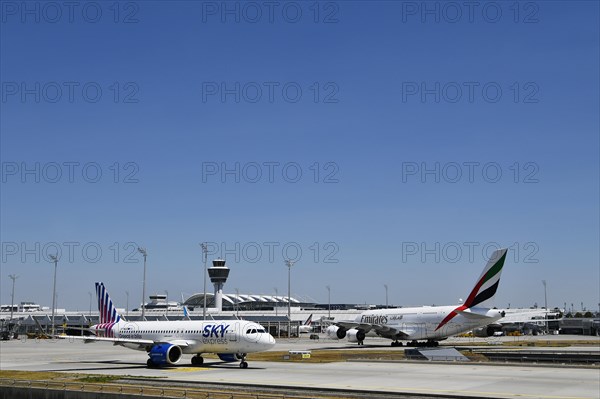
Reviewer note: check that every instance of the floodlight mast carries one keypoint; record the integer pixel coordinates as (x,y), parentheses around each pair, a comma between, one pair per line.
(386,295)
(328,302)
(54,259)
(546,304)
(205,252)
(144,254)
(289,263)
(13,277)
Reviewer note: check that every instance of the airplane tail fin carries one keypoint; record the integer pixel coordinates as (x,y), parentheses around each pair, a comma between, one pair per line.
(186,313)
(308,321)
(487,284)
(108,312)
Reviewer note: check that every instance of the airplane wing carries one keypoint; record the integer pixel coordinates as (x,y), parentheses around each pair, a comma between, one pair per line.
(471,315)
(118,341)
(380,329)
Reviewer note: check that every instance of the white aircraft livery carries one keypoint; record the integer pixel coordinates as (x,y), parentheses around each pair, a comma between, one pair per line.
(307,326)
(431,323)
(167,341)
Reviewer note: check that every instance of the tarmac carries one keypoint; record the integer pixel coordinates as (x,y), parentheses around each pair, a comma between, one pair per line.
(459,379)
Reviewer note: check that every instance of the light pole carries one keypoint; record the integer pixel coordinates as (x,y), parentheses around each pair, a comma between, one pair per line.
(545,304)
(90,312)
(237,302)
(289,265)
(127,304)
(328,302)
(167,308)
(54,259)
(144,254)
(205,252)
(276,301)
(13,277)
(386,295)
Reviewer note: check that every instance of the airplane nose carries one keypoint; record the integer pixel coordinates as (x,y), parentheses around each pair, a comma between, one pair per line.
(269,341)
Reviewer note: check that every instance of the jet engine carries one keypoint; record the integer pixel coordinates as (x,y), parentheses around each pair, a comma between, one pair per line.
(161,354)
(228,357)
(487,331)
(336,332)
(355,335)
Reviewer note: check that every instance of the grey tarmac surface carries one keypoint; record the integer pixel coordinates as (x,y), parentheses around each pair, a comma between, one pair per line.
(471,379)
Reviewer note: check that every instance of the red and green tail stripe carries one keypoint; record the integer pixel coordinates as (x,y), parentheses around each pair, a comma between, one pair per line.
(491,272)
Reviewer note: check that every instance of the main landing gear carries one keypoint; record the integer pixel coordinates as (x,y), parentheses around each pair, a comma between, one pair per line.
(197,360)
(428,344)
(243,363)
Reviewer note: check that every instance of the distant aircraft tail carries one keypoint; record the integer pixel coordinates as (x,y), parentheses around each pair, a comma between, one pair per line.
(487,283)
(308,321)
(108,312)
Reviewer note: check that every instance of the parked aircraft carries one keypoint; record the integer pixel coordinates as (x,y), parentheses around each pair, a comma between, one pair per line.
(307,326)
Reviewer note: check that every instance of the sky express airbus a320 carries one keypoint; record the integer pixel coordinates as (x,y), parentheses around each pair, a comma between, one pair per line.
(167,341)
(431,323)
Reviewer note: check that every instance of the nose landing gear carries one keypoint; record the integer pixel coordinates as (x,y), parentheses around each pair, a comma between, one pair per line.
(243,363)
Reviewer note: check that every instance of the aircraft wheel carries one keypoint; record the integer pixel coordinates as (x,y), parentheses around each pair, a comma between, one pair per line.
(243,365)
(197,360)
(150,364)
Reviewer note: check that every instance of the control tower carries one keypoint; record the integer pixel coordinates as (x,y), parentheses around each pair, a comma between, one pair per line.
(218,274)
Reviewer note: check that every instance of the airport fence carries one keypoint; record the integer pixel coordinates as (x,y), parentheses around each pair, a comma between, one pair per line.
(47,389)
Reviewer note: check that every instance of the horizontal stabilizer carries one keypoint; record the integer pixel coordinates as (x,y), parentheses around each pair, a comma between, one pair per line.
(471,315)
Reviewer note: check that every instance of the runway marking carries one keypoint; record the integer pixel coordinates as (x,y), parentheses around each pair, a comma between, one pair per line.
(188,369)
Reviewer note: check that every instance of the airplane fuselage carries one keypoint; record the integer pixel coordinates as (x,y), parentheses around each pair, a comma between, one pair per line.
(207,336)
(429,322)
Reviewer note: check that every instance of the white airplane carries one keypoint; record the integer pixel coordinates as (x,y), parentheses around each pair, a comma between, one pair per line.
(167,341)
(431,323)
(307,326)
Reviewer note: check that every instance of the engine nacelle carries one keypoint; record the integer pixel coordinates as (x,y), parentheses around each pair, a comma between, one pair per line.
(355,335)
(165,354)
(336,332)
(487,331)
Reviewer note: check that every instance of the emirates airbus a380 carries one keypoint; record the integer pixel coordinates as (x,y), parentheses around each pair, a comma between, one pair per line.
(167,341)
(430,323)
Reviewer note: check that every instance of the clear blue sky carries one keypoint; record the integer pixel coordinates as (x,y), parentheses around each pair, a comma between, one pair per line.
(379,103)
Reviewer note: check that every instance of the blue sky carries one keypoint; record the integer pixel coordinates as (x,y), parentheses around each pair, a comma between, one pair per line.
(499,103)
